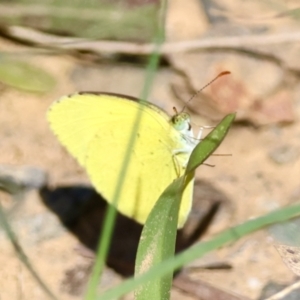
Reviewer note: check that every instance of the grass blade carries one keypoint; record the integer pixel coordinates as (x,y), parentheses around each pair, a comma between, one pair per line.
(198,250)
(111,213)
(21,254)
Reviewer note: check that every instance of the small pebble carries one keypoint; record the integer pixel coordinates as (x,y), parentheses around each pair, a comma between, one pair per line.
(17,179)
(284,154)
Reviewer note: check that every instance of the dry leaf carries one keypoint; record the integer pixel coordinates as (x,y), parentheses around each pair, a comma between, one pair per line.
(291,257)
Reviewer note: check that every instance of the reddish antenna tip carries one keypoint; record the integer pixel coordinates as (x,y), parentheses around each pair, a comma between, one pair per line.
(223,73)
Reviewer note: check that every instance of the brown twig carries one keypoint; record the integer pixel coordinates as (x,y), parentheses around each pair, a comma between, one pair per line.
(202,290)
(285,291)
(240,42)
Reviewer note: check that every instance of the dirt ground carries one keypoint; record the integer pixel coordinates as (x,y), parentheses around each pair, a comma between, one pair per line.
(261,175)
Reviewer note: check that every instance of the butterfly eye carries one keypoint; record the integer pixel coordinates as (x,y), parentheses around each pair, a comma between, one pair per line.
(181,121)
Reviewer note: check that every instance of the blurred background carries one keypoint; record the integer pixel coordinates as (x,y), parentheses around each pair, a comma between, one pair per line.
(52,48)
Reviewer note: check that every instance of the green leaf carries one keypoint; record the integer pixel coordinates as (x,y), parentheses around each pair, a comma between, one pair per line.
(24,76)
(210,143)
(157,242)
(111,20)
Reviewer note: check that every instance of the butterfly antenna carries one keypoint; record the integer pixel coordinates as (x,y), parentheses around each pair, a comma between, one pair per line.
(209,83)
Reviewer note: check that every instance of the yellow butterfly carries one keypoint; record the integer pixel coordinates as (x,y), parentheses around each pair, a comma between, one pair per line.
(95,129)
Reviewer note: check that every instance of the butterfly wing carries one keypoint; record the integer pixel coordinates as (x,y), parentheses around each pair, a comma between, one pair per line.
(96,130)
(75,120)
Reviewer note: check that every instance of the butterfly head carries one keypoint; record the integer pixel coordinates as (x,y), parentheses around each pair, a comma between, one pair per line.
(182,122)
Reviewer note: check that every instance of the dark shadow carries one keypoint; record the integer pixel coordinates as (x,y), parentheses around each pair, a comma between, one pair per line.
(81,210)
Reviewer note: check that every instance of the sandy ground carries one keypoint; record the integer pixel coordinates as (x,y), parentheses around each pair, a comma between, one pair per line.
(248,184)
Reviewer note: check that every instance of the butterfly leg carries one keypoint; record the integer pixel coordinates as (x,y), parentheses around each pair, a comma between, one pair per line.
(176,164)
(191,144)
(182,160)
(202,129)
